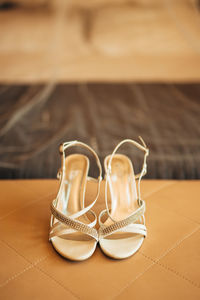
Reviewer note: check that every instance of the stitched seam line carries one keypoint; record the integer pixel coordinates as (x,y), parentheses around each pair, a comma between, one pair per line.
(58,282)
(172,270)
(29,267)
(11,247)
(22,272)
(156,261)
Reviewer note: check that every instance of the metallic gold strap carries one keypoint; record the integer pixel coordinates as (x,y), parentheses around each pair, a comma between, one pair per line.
(74,224)
(107,230)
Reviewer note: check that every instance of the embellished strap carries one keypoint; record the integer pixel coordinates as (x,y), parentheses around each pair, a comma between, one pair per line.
(74,224)
(125,224)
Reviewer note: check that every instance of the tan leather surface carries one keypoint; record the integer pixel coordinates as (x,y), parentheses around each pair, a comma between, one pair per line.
(167,266)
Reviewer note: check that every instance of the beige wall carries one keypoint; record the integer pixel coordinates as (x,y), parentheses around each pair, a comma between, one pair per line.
(100,40)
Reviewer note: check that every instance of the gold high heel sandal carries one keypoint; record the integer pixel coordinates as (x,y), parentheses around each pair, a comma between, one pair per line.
(72,234)
(123,232)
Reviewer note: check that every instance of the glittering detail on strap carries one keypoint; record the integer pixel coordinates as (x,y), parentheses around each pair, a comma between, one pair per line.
(108,230)
(74,224)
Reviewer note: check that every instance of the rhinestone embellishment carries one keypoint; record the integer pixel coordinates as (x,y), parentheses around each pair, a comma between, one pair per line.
(104,231)
(73,223)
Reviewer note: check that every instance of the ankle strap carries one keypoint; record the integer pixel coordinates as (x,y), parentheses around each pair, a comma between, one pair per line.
(69,144)
(137,176)
(62,149)
(139,146)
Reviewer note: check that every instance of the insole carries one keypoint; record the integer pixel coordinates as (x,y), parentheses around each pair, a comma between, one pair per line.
(122,187)
(72,196)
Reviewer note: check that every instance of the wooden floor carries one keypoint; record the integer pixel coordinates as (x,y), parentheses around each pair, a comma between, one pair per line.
(100,41)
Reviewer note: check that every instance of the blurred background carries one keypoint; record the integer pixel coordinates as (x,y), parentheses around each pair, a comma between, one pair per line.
(99,71)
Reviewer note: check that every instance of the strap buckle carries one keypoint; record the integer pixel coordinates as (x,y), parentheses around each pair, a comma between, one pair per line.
(59,173)
(144,168)
(109,169)
(100,178)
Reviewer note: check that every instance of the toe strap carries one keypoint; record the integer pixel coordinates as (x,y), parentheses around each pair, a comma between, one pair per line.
(125,225)
(72,224)
(135,228)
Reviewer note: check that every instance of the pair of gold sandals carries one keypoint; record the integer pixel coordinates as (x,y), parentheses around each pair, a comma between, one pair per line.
(121,227)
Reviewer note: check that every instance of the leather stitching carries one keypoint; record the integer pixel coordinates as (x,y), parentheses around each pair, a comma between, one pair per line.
(171,270)
(58,282)
(32,265)
(22,272)
(157,260)
(16,251)
(139,275)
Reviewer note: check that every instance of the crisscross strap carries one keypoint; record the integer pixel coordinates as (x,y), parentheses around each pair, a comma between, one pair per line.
(125,225)
(138,176)
(69,221)
(60,229)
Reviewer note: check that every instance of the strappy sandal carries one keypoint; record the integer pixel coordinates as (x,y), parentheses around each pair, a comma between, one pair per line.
(72,233)
(123,231)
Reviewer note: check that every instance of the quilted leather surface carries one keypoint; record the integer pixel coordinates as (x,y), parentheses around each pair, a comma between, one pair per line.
(167,265)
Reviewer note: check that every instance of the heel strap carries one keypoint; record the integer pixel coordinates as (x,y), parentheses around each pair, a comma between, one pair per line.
(69,144)
(139,146)
(137,176)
